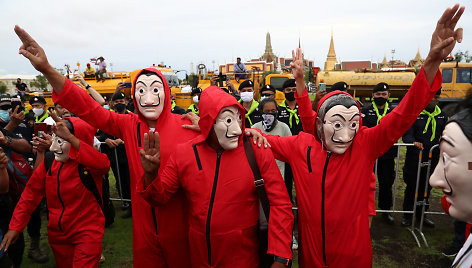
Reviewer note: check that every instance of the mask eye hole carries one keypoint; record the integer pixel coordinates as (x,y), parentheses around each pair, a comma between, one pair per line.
(141,91)
(240,117)
(155,90)
(228,120)
(446,159)
(338,125)
(353,125)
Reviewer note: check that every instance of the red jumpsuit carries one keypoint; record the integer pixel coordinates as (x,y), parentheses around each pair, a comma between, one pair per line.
(160,235)
(308,118)
(333,191)
(76,222)
(224,206)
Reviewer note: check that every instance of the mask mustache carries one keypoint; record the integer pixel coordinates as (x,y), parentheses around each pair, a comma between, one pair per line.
(150,105)
(340,142)
(229,137)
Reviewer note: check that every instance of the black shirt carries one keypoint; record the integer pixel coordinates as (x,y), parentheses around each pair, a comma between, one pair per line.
(21,86)
(284,116)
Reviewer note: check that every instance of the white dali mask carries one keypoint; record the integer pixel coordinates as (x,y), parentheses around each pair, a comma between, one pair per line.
(60,148)
(453,174)
(150,96)
(339,128)
(228,126)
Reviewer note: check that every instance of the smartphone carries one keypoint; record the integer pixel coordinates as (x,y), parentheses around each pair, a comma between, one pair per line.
(38,127)
(221,79)
(15,104)
(127,84)
(322,86)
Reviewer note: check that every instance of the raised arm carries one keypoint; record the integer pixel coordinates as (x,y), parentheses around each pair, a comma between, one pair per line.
(307,115)
(66,93)
(425,85)
(94,93)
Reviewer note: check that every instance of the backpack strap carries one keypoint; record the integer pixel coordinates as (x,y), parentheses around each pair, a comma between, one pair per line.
(48,160)
(258,181)
(89,183)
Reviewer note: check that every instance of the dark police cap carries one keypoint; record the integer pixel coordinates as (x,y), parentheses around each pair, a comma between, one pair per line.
(247,83)
(381,87)
(342,86)
(37,99)
(196,91)
(268,87)
(5,98)
(289,83)
(118,96)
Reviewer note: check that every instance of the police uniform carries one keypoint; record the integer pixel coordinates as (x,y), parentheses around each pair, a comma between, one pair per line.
(39,118)
(254,114)
(385,163)
(427,130)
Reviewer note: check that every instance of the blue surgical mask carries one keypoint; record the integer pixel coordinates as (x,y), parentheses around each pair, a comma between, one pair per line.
(5,116)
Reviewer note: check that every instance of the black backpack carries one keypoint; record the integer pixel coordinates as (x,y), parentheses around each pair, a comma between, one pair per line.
(86,177)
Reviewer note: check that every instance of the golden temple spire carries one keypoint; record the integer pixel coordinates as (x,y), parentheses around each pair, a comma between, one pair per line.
(331,58)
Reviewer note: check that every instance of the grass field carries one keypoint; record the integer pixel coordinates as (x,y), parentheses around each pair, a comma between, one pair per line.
(393,246)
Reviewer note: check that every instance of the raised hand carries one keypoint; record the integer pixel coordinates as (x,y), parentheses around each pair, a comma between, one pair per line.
(17,116)
(80,78)
(31,50)
(194,119)
(151,154)
(445,35)
(297,64)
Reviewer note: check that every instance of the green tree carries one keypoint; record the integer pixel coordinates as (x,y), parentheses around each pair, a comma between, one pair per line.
(460,56)
(3,87)
(40,82)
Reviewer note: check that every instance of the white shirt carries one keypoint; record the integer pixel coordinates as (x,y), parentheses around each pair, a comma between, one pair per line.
(102,65)
(466,261)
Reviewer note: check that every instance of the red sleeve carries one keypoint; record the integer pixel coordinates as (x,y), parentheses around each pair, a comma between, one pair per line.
(282,147)
(307,115)
(372,196)
(163,186)
(281,216)
(90,158)
(395,124)
(30,199)
(77,101)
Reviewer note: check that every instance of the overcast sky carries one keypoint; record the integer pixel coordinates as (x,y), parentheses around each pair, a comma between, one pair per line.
(136,34)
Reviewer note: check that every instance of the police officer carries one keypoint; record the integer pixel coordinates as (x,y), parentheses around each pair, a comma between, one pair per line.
(289,108)
(253,114)
(424,134)
(118,104)
(39,108)
(371,116)
(176,109)
(196,99)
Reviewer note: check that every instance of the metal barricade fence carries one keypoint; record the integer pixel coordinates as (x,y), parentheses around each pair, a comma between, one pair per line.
(117,179)
(416,203)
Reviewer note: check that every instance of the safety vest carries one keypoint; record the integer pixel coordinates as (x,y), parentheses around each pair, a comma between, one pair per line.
(192,108)
(46,115)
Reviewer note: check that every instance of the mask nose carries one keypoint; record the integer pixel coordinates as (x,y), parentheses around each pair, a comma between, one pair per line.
(438,178)
(235,130)
(344,135)
(54,146)
(148,99)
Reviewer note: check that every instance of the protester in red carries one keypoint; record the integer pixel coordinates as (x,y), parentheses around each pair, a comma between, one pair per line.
(76,222)
(160,235)
(215,175)
(332,170)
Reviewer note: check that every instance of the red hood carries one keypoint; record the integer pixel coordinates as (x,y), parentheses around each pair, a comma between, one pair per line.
(167,103)
(212,100)
(336,92)
(82,130)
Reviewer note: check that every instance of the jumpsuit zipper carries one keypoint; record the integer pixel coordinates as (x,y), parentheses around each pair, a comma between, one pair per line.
(323,231)
(59,197)
(210,208)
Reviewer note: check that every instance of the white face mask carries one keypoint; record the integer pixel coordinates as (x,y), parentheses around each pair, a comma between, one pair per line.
(195,99)
(150,96)
(38,111)
(453,174)
(228,127)
(60,148)
(340,126)
(247,96)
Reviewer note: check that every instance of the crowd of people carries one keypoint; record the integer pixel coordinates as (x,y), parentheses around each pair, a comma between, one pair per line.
(212,186)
